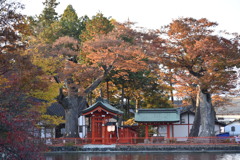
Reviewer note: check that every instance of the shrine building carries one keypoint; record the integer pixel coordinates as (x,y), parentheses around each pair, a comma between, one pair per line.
(102,121)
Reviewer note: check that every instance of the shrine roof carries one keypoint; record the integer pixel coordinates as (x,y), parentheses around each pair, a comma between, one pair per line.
(157,115)
(56,109)
(105,105)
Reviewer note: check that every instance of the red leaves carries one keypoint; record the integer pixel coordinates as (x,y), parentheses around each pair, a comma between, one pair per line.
(16,136)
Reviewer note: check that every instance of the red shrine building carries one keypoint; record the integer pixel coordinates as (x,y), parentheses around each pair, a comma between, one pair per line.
(102,125)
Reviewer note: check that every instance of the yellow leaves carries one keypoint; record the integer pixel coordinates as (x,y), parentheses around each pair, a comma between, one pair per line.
(129,122)
(48,94)
(49,65)
(52,120)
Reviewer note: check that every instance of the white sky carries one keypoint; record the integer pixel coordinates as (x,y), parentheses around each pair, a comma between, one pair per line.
(151,14)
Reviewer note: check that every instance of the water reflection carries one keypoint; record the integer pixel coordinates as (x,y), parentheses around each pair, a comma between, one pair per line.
(143,156)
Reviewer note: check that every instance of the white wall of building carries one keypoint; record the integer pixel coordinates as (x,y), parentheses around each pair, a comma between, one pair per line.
(183,128)
(82,128)
(229,129)
(47,132)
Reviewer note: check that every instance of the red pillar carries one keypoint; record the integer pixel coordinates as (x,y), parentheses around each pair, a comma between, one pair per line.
(168,131)
(146,132)
(93,129)
(103,131)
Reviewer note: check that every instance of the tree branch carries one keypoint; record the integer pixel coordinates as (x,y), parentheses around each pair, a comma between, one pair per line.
(96,83)
(62,99)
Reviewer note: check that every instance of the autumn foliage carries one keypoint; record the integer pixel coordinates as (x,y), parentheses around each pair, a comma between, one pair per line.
(18,78)
(67,59)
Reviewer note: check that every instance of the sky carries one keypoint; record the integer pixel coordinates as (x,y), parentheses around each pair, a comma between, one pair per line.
(151,14)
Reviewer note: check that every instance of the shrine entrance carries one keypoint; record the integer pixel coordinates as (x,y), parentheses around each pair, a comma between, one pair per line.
(103,119)
(98,128)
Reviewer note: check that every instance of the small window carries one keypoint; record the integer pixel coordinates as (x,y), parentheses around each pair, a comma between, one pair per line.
(220,118)
(80,128)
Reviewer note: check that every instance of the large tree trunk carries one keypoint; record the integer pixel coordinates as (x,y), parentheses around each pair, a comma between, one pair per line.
(197,119)
(196,123)
(74,104)
(207,115)
(72,111)
(71,118)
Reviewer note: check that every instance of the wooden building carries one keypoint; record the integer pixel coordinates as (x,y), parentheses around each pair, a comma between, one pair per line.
(157,117)
(104,127)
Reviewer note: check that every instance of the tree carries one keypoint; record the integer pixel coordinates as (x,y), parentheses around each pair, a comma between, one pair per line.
(81,76)
(202,59)
(145,89)
(18,76)
(98,25)
(49,15)
(70,24)
(50,50)
(46,24)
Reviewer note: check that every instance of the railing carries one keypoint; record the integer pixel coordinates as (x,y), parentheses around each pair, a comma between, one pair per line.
(142,141)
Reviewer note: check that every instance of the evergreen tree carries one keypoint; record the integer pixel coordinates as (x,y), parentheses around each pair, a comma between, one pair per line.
(96,26)
(49,15)
(70,24)
(46,26)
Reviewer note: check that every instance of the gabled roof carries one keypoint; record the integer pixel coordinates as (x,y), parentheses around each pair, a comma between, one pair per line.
(157,115)
(236,121)
(105,105)
(56,109)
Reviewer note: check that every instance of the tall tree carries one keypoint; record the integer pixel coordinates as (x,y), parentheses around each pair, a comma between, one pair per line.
(96,26)
(206,59)
(70,23)
(18,76)
(102,54)
(46,24)
(49,15)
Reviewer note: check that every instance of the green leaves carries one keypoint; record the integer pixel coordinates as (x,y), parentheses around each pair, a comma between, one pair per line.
(70,23)
(96,26)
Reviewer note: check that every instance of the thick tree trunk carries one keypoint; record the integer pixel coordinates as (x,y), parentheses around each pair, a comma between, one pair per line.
(197,119)
(207,115)
(72,112)
(196,123)
(74,104)
(71,121)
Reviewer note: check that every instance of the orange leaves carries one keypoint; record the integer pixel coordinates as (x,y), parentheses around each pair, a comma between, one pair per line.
(219,101)
(178,29)
(192,48)
(66,41)
(66,46)
(110,50)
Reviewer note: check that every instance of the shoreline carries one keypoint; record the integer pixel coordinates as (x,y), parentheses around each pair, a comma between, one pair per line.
(144,148)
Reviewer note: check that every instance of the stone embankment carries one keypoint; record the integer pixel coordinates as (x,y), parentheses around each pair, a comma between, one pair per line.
(147,148)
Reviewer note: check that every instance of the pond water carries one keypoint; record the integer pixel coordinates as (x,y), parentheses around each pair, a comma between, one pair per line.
(142,156)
